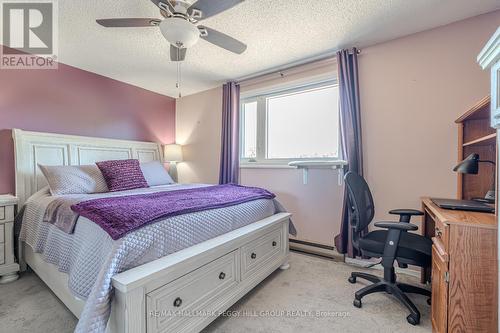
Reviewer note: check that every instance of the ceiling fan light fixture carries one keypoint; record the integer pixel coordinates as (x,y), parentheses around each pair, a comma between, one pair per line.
(178,31)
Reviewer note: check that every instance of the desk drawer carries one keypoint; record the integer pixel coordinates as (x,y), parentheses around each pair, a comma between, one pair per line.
(2,233)
(441,230)
(442,233)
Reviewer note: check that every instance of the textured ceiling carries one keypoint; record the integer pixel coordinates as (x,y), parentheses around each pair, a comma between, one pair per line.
(277,32)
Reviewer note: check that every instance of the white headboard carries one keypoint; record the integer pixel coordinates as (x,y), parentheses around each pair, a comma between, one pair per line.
(33,148)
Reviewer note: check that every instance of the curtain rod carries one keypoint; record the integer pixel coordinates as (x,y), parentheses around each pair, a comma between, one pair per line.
(279,69)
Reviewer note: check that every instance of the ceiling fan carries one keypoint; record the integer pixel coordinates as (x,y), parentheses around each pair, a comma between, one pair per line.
(179,24)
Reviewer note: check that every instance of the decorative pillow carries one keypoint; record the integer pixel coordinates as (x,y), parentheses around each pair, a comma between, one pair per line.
(155,173)
(74,179)
(122,175)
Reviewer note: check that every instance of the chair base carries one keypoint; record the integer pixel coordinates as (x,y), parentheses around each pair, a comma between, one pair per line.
(392,287)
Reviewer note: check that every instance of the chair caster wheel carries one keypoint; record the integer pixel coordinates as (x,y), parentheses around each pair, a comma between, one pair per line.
(352,279)
(429,301)
(357,303)
(413,320)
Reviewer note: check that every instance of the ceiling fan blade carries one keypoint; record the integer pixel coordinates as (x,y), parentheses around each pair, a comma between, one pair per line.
(128,22)
(163,5)
(177,54)
(210,7)
(222,40)
(157,2)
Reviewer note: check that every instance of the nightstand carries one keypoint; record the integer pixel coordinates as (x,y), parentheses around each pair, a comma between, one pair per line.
(8,265)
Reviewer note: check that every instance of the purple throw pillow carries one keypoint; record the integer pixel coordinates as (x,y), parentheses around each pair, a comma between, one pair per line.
(122,174)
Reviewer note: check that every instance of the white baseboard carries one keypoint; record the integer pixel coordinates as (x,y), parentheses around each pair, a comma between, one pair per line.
(330,253)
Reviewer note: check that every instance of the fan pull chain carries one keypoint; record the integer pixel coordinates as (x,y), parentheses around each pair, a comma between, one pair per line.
(178,83)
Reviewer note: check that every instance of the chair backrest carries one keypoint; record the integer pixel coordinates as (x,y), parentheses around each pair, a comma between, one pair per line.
(360,202)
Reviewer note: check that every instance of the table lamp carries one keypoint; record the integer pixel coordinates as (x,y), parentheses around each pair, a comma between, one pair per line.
(173,155)
(470,165)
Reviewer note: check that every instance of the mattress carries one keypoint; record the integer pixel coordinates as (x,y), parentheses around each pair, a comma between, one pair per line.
(91,257)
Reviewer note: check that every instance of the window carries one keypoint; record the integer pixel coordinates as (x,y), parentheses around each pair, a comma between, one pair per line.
(250,120)
(294,124)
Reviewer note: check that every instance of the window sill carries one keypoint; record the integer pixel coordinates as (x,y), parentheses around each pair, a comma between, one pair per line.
(265,166)
(315,164)
(312,164)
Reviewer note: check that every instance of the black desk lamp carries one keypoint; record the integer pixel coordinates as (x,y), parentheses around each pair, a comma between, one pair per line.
(471,166)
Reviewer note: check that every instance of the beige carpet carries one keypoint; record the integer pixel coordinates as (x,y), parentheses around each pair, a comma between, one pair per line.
(287,301)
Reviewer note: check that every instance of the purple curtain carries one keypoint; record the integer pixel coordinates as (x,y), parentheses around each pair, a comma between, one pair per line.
(350,136)
(230,157)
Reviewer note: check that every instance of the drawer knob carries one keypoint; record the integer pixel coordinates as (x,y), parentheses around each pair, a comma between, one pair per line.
(253,256)
(439,233)
(178,302)
(274,243)
(222,276)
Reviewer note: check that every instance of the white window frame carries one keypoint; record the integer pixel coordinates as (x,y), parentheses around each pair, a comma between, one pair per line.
(262,111)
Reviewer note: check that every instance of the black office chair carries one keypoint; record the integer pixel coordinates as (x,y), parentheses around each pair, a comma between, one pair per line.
(390,245)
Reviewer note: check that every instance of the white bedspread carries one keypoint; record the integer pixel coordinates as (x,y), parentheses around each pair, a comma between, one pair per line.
(91,258)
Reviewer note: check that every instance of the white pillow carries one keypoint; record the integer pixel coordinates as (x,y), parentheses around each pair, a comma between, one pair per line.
(69,179)
(155,173)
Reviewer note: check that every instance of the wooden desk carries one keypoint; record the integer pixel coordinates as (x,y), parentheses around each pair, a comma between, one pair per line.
(464,269)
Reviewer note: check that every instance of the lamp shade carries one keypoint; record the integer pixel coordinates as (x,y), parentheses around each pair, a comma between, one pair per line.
(470,165)
(173,153)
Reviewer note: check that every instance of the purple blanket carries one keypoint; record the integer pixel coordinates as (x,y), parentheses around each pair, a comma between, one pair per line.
(120,215)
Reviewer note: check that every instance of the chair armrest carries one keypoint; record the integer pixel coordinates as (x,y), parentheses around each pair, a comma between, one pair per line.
(409,212)
(396,225)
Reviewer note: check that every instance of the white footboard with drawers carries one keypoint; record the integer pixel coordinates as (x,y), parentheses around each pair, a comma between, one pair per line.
(185,291)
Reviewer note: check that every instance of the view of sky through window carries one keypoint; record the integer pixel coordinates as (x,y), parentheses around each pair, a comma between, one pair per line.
(302,124)
(250,130)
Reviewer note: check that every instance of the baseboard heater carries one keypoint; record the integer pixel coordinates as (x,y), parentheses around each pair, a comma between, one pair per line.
(315,248)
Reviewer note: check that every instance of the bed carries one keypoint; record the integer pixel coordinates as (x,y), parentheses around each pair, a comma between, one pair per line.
(178,289)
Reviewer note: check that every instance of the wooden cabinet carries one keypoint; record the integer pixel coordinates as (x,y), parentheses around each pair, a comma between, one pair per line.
(464,269)
(476,136)
(439,313)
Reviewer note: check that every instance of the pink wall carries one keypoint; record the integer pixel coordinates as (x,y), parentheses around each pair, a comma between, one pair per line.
(315,207)
(72,101)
